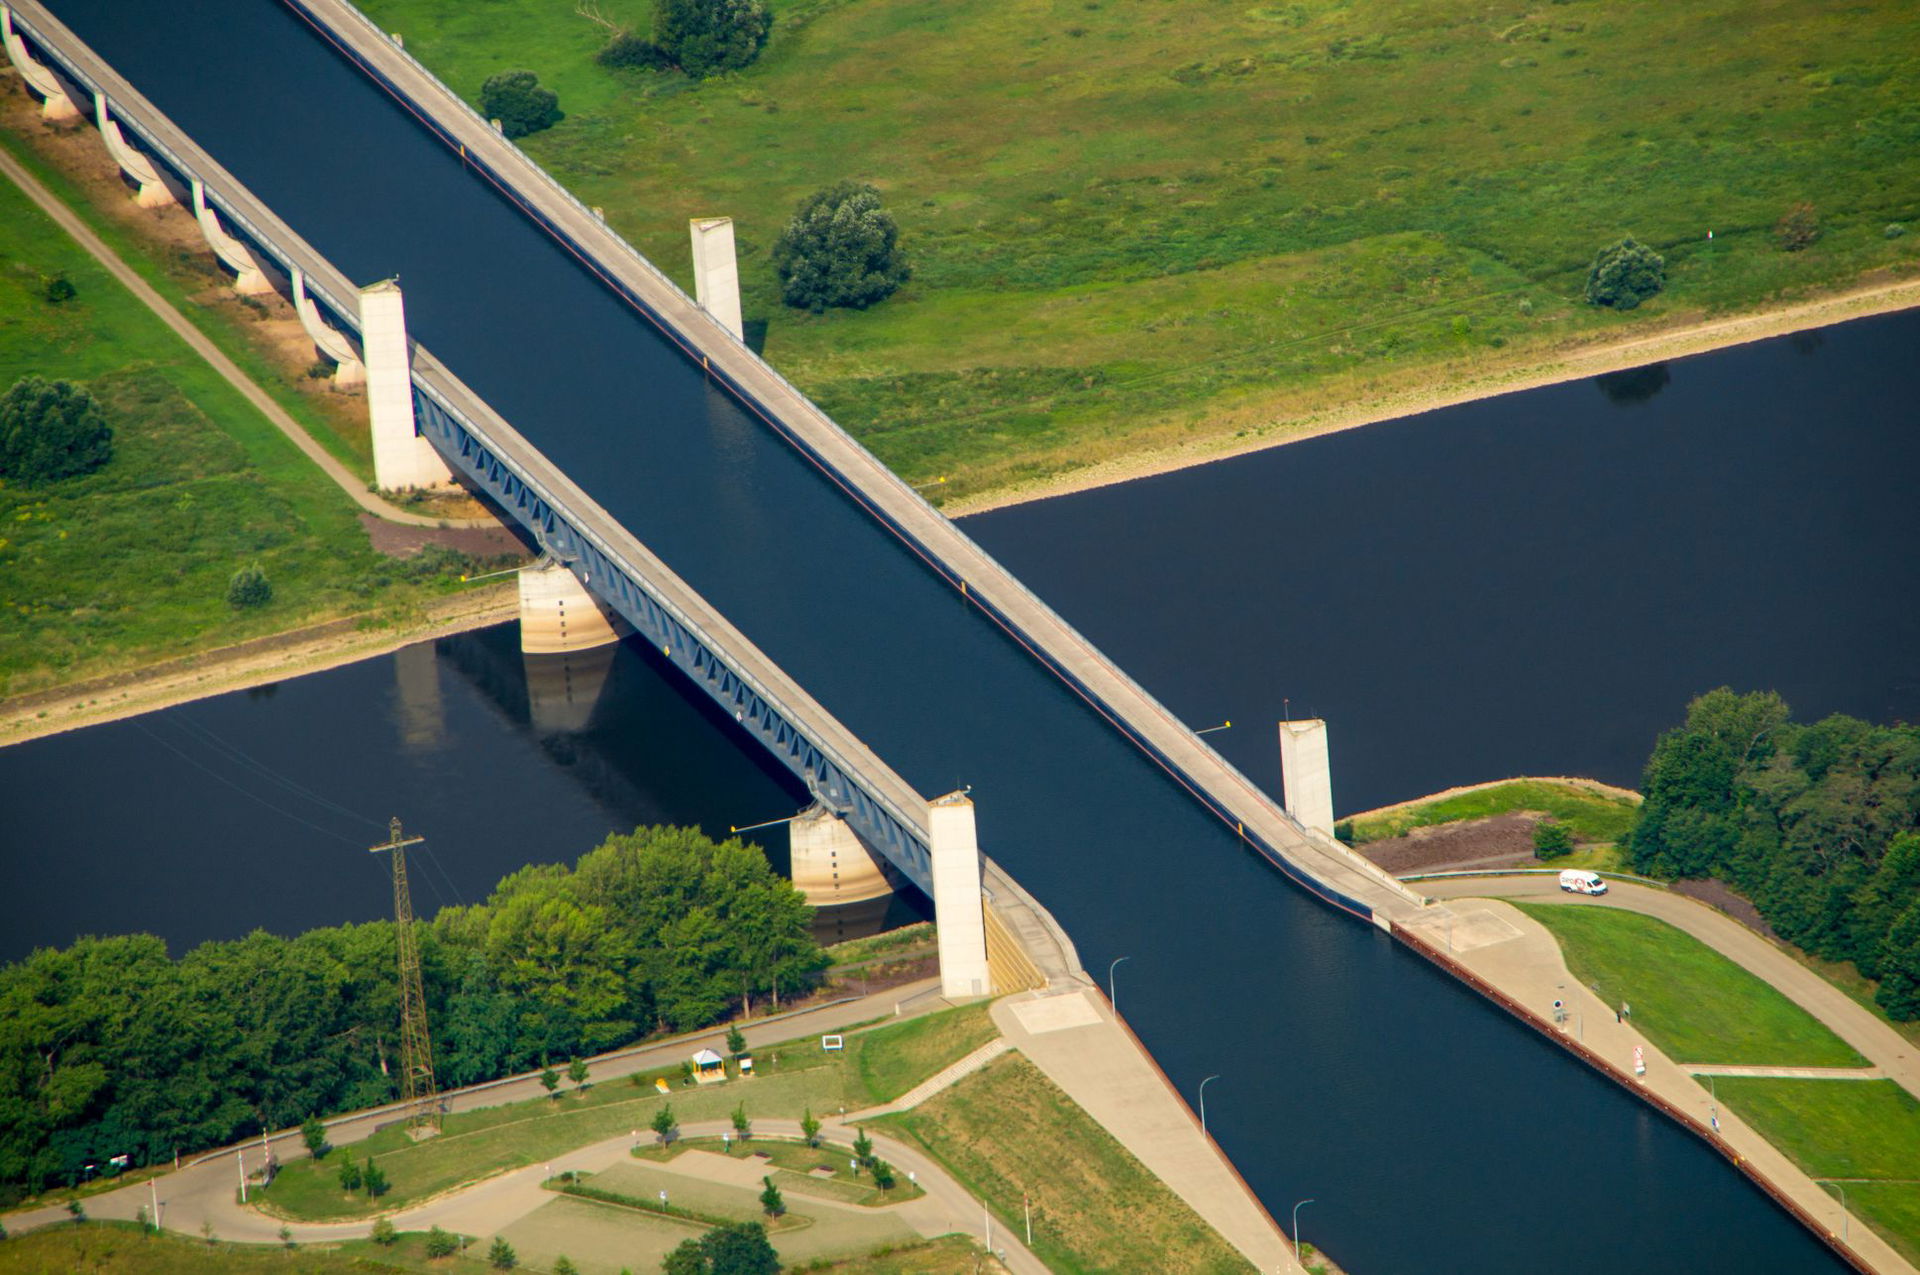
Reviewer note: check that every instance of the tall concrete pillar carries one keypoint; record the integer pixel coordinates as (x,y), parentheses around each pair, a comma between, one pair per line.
(957,905)
(154,190)
(558,614)
(250,273)
(1306,773)
(327,339)
(401,458)
(55,105)
(832,865)
(716,271)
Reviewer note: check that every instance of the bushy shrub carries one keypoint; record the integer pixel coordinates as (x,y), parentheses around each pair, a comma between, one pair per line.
(51,430)
(58,288)
(706,37)
(441,1243)
(248,588)
(517,100)
(1798,229)
(1552,839)
(1894,229)
(626,50)
(1625,274)
(840,249)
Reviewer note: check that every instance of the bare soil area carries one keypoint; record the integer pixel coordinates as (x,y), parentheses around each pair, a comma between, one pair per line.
(1716,893)
(1499,841)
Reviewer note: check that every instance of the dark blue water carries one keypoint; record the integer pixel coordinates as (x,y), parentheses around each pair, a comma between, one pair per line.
(1422,1120)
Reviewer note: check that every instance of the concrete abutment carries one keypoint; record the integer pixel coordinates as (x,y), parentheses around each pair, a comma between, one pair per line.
(56,103)
(958,905)
(401,458)
(716,271)
(1307,775)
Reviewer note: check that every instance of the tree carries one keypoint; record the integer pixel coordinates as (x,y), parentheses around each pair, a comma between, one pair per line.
(810,1127)
(76,1210)
(286,1236)
(736,1042)
(441,1243)
(706,37)
(383,1233)
(772,1203)
(664,1125)
(376,1181)
(863,1148)
(517,100)
(841,248)
(248,588)
(740,1248)
(1899,992)
(500,1254)
(1552,839)
(1799,228)
(51,430)
(349,1173)
(549,1080)
(882,1174)
(1625,274)
(577,1072)
(625,49)
(742,1127)
(314,1134)
(563,1265)
(58,288)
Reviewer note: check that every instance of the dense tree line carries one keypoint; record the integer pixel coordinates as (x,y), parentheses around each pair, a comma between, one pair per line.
(111,1047)
(1819,825)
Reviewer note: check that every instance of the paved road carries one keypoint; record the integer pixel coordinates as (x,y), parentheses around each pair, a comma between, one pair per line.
(83,235)
(203,1189)
(1896,1056)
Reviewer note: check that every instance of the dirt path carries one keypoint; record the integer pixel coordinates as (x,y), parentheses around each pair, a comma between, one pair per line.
(1448,387)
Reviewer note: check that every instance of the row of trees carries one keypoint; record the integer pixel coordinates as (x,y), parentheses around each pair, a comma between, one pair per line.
(112,1047)
(1818,824)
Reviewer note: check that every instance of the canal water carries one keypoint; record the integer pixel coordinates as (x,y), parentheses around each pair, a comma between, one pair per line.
(1420,1119)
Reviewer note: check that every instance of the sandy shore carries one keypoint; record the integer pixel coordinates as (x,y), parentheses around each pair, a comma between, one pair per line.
(1573,781)
(1679,338)
(254,663)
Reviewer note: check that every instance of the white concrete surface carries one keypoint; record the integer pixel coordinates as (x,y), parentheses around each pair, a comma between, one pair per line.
(716,271)
(154,190)
(327,339)
(56,105)
(832,865)
(559,614)
(401,458)
(956,897)
(250,274)
(1307,774)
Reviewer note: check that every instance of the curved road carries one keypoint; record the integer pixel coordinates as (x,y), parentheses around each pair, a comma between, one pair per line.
(1880,1044)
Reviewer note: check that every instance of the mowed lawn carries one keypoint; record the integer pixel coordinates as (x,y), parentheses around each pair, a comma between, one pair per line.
(1692,1002)
(895,1058)
(132,562)
(1589,815)
(1139,223)
(1865,1134)
(1007,1133)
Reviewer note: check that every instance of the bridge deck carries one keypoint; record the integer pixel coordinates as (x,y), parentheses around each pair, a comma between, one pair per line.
(1218,785)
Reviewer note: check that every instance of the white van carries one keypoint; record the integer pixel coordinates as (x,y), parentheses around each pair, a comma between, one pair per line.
(1580,881)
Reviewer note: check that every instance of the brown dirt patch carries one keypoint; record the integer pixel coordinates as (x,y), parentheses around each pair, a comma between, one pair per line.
(1718,894)
(1498,841)
(401,540)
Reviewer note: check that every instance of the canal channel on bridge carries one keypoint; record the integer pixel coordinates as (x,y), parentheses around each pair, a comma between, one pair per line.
(1422,1120)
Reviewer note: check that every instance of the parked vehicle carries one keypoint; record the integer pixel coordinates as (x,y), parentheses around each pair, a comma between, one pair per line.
(1580,881)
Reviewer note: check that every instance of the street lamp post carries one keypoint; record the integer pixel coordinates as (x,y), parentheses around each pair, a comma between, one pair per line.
(1203,1105)
(1296,1229)
(1210,729)
(1111,998)
(1843,1206)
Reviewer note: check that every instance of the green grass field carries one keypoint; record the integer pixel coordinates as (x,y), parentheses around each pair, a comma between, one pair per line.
(1864,1133)
(793,1162)
(1693,1003)
(130,564)
(895,1058)
(1007,1131)
(1592,816)
(1136,223)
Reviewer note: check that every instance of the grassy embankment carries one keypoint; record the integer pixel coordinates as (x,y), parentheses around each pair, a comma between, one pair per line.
(1598,820)
(1697,1006)
(792,1078)
(1692,1002)
(121,1250)
(130,564)
(1152,227)
(1007,1133)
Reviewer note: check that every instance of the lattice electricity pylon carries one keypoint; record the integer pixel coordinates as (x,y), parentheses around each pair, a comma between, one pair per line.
(418,1094)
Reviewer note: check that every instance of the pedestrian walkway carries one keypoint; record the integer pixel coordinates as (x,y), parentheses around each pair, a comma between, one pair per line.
(1528,967)
(945,1079)
(1786,1073)
(1073,1037)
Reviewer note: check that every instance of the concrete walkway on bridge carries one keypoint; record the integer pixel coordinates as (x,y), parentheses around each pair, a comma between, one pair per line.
(1515,954)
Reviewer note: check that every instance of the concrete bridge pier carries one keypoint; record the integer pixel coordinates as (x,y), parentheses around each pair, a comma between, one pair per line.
(401,458)
(568,639)
(832,866)
(1307,775)
(328,340)
(155,191)
(959,912)
(716,271)
(250,273)
(56,104)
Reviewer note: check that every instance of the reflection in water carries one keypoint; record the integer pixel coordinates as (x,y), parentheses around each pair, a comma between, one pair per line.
(562,689)
(1635,385)
(416,680)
